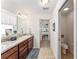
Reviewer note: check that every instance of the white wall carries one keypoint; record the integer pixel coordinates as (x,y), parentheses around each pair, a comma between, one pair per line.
(70,30)
(63,26)
(54,35)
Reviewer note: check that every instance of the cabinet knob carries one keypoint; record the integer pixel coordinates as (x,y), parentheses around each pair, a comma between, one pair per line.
(24,56)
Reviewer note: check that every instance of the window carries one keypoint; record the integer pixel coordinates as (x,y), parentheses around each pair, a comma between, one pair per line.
(4,27)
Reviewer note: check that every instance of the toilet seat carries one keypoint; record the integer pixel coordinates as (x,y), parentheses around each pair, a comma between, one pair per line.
(65,46)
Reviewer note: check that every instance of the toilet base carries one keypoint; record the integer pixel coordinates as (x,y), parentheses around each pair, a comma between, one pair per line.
(64,51)
(65,48)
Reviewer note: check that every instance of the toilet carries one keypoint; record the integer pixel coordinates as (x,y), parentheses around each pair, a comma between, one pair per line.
(64,46)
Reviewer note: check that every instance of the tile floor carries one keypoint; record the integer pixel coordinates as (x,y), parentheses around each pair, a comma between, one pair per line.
(67,56)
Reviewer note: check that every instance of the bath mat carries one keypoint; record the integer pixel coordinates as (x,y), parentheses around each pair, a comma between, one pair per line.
(33,54)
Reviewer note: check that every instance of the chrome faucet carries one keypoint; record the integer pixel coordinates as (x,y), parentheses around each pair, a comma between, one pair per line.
(22,31)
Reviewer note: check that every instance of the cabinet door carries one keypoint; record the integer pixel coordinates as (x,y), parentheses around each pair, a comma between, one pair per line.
(13,56)
(23,50)
(30,44)
(10,54)
(21,57)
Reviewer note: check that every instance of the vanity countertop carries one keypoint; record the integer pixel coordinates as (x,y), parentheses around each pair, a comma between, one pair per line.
(10,44)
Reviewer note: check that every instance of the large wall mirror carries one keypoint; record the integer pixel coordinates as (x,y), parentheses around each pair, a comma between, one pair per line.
(8,24)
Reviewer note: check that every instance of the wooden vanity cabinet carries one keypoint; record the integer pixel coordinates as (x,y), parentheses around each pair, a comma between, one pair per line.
(30,43)
(20,51)
(23,50)
(10,54)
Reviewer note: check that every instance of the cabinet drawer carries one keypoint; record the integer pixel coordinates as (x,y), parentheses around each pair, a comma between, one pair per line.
(22,48)
(30,39)
(9,53)
(13,56)
(26,41)
(22,44)
(23,53)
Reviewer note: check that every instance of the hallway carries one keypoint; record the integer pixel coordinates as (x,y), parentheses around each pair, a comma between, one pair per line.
(45,50)
(45,43)
(46,53)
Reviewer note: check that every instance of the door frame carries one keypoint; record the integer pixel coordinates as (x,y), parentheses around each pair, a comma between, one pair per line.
(75,30)
(40,29)
(59,41)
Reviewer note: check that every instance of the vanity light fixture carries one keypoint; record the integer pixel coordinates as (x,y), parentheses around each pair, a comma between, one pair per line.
(44,2)
(66,9)
(21,15)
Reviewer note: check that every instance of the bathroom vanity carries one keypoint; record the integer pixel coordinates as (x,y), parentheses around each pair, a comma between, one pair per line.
(18,49)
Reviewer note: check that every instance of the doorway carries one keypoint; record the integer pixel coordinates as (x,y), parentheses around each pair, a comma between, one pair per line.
(66,30)
(44,33)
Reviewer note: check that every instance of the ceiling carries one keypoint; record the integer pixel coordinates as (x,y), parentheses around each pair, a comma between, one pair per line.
(69,5)
(26,6)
